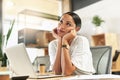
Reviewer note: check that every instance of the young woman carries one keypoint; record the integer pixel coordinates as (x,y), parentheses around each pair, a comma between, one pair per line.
(69,53)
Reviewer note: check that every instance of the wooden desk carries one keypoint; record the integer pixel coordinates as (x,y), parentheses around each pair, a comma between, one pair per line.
(4,77)
(115,70)
(3,69)
(3,74)
(108,77)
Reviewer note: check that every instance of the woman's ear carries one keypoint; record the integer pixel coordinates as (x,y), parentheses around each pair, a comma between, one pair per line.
(77,28)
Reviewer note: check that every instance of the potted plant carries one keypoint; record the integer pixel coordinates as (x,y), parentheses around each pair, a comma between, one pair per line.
(3,56)
(97,21)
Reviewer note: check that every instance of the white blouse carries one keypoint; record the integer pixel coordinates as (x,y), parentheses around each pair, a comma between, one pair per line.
(80,54)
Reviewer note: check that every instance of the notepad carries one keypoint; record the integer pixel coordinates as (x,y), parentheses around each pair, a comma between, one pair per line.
(93,77)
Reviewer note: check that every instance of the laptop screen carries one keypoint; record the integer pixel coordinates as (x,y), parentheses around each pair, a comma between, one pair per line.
(19,60)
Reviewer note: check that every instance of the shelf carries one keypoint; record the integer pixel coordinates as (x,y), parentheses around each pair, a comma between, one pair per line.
(99,40)
(39,14)
(34,38)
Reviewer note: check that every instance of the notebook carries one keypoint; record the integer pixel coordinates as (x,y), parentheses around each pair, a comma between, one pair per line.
(20,62)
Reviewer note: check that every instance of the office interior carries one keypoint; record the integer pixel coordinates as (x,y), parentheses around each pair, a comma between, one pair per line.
(41,16)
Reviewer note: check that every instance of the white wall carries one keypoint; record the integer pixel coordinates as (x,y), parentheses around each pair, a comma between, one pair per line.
(46,6)
(108,10)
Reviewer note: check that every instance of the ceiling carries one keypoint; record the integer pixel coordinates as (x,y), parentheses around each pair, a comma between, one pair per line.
(78,4)
(104,8)
(45,6)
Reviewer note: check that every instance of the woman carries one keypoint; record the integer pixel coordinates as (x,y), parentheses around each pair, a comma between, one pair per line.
(69,53)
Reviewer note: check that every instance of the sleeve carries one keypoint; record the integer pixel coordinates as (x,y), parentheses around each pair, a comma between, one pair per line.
(81,56)
(52,51)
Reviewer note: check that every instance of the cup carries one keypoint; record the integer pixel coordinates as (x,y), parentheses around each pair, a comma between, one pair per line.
(42,68)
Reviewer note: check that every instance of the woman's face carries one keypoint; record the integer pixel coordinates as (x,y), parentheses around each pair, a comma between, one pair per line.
(65,25)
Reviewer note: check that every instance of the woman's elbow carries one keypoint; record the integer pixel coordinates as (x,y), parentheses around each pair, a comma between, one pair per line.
(68,72)
(57,72)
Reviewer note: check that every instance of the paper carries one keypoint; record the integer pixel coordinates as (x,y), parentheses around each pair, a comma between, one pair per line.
(92,76)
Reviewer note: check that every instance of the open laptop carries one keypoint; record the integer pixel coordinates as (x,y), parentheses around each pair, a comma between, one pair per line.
(20,62)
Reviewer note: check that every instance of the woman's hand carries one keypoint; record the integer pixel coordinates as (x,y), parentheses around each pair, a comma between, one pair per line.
(54,33)
(70,35)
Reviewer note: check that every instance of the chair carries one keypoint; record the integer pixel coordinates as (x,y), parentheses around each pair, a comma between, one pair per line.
(42,60)
(102,59)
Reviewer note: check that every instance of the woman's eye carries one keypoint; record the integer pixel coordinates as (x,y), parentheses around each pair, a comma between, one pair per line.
(61,21)
(68,24)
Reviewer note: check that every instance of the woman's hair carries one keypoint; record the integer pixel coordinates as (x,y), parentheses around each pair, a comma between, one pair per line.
(75,17)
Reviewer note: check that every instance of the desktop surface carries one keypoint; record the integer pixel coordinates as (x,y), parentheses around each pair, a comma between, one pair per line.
(78,77)
(85,77)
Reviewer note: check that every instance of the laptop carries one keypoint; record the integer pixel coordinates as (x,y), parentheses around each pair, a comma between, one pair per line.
(20,62)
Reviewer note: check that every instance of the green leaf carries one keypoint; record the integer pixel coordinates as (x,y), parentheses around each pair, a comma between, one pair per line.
(9,31)
(0,40)
(97,20)
(1,47)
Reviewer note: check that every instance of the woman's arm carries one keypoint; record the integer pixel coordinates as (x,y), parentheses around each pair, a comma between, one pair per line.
(57,63)
(63,64)
(66,64)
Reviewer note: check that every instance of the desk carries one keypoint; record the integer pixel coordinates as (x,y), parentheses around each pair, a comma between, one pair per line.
(80,77)
(4,75)
(85,77)
(115,70)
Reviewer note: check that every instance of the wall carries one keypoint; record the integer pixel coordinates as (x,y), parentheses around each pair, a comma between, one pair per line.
(10,13)
(0,23)
(108,10)
(46,6)
(0,16)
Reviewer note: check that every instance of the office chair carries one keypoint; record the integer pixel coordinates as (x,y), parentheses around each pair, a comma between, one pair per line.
(42,60)
(102,59)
